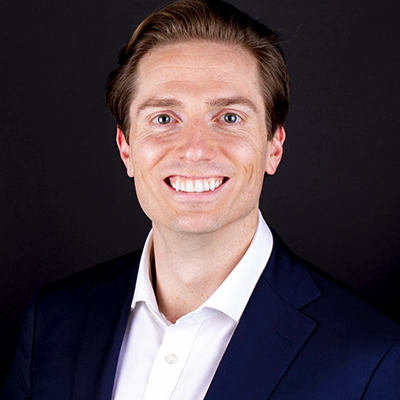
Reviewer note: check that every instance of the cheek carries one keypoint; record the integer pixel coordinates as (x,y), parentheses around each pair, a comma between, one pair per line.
(145,156)
(250,155)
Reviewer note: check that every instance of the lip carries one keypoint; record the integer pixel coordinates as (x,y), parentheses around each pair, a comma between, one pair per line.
(195,185)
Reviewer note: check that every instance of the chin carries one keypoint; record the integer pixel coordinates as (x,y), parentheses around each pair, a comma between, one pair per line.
(195,224)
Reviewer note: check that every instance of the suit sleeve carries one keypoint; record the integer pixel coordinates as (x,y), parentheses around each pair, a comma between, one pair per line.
(18,383)
(385,382)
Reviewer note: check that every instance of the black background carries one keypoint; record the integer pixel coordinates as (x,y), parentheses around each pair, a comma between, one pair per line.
(66,203)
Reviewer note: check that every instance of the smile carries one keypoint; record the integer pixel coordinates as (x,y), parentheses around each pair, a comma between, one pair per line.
(181,184)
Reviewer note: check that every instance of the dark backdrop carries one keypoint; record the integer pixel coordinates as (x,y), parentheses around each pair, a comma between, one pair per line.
(66,203)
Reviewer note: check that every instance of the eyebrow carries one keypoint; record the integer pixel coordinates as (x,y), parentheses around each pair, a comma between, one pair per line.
(230,101)
(155,102)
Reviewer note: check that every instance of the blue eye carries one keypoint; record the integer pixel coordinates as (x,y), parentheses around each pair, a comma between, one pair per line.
(163,119)
(231,118)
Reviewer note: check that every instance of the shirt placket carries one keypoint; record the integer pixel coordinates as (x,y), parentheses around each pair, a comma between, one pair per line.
(171,359)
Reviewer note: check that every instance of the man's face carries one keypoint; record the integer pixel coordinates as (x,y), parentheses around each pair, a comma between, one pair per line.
(198,145)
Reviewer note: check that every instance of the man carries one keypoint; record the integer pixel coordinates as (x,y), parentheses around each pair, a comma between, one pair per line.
(216,306)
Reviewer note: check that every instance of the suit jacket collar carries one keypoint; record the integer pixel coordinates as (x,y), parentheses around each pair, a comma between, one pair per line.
(288,277)
(271,331)
(107,316)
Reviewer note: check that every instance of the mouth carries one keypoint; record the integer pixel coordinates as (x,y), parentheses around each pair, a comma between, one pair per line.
(196,185)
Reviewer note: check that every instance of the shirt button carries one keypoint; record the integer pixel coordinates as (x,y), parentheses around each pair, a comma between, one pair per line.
(171,359)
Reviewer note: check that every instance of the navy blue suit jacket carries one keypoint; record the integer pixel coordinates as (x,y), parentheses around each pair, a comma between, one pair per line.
(301,337)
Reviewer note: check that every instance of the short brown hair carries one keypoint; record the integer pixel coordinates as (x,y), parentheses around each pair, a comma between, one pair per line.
(213,21)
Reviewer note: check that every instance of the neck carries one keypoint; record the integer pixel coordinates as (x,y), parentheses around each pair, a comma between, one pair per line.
(189,267)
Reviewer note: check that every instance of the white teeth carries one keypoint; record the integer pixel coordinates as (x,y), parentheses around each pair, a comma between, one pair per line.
(212,184)
(189,187)
(198,186)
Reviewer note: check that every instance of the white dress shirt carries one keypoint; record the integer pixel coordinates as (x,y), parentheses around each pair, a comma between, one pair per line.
(159,360)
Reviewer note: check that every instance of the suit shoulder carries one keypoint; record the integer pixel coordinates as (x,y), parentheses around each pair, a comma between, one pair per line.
(343,305)
(84,281)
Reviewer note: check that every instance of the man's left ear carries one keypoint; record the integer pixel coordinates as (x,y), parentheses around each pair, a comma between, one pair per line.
(275,151)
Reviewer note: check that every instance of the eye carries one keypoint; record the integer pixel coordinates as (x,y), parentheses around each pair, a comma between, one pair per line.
(162,119)
(231,118)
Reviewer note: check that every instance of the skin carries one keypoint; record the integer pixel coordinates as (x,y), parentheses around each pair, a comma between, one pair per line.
(198,115)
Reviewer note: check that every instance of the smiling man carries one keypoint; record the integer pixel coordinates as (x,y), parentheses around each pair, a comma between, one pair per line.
(215,306)
(198,149)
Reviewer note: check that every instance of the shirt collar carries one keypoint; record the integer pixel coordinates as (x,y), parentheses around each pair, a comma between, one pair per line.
(233,294)
(144,288)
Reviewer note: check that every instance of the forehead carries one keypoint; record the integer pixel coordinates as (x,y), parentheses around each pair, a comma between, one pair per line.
(198,68)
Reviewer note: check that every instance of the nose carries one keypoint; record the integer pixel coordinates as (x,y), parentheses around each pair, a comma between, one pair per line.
(196,142)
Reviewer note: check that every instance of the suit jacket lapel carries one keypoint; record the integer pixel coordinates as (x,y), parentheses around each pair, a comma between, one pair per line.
(102,336)
(270,333)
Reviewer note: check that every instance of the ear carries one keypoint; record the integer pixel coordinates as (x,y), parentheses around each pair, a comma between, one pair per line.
(125,152)
(275,151)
